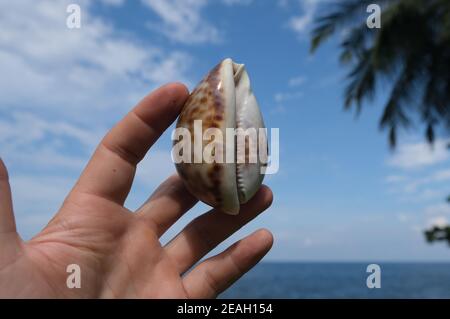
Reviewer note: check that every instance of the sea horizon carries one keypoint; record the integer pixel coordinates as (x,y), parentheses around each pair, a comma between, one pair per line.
(345,279)
(355,261)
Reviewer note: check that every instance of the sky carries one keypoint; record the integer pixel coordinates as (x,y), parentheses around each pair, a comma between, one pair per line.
(340,193)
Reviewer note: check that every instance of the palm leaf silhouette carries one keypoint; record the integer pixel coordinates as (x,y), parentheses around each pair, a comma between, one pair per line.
(409,55)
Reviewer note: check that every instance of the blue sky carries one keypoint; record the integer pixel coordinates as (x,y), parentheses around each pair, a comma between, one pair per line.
(340,193)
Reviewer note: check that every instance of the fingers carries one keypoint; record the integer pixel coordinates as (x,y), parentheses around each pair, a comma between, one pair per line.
(208,230)
(217,273)
(7,223)
(110,171)
(167,204)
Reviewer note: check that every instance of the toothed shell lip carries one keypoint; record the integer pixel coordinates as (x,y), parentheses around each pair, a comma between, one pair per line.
(214,101)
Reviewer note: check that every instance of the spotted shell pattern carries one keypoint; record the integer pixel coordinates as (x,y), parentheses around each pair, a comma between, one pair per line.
(223,99)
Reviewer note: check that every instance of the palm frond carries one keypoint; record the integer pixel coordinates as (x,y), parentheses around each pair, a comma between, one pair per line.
(410,53)
(342,14)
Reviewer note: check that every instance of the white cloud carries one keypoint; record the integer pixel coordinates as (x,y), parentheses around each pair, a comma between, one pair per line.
(302,22)
(279,109)
(392,179)
(27,140)
(434,178)
(442,175)
(402,217)
(430,193)
(286,96)
(297,81)
(438,209)
(76,72)
(439,221)
(47,158)
(418,155)
(61,90)
(411,184)
(237,2)
(114,3)
(413,188)
(422,195)
(22,128)
(47,198)
(182,20)
(423,187)
(282,97)
(71,84)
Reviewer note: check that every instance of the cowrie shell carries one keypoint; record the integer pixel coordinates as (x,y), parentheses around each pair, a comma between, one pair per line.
(224,100)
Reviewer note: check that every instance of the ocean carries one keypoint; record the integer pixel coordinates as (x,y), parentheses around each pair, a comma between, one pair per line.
(342,280)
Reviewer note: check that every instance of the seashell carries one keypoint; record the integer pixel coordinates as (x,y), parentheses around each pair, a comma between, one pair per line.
(223,99)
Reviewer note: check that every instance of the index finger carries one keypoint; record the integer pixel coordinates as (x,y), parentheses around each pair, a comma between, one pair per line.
(110,172)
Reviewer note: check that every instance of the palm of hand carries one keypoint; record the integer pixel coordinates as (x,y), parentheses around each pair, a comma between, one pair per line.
(118,251)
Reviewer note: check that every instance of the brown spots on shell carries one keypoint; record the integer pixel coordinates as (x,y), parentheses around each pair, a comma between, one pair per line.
(216,92)
(213,76)
(215,175)
(199,184)
(219,102)
(205,103)
(196,112)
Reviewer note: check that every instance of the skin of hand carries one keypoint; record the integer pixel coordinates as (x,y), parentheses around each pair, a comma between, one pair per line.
(118,250)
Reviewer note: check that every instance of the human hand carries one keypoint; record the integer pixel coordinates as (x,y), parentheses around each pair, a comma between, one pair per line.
(118,250)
